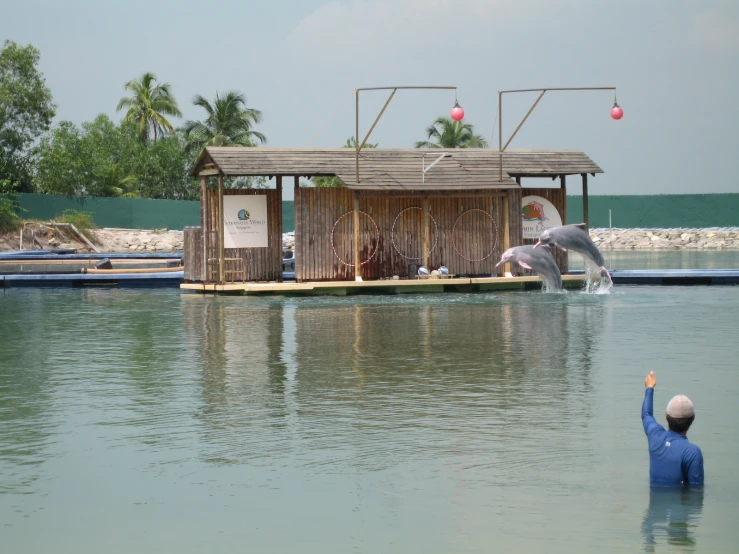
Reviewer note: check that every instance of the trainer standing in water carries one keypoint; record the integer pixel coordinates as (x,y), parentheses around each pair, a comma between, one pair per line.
(672,459)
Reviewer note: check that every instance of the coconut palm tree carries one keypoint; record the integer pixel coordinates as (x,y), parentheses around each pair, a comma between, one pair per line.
(448,133)
(148,105)
(229,123)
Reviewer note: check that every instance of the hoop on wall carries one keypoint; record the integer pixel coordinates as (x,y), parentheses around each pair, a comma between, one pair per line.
(392,233)
(495,235)
(333,246)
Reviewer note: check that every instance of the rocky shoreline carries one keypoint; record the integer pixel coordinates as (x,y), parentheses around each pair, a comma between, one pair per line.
(666,239)
(137,240)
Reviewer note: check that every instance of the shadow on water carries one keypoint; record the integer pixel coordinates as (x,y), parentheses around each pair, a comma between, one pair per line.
(672,518)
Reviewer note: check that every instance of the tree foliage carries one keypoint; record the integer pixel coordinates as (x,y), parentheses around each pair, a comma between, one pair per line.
(105,159)
(447,133)
(148,105)
(333,180)
(26,112)
(228,122)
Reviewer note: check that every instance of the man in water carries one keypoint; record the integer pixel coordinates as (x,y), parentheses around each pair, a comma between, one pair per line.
(672,459)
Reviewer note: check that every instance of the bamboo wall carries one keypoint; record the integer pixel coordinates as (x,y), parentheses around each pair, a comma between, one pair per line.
(194,259)
(261,264)
(321,213)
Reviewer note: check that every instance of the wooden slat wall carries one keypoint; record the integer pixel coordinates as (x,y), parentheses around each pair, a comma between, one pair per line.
(318,209)
(261,264)
(558,197)
(193,242)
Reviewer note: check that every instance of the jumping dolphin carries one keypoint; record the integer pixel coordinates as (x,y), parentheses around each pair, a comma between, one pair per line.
(541,261)
(575,238)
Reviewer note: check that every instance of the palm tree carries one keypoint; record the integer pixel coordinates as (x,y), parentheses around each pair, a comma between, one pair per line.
(451,134)
(229,123)
(148,105)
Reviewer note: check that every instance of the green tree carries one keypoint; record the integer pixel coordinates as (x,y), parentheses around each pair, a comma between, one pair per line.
(228,123)
(334,181)
(26,112)
(148,105)
(105,159)
(448,133)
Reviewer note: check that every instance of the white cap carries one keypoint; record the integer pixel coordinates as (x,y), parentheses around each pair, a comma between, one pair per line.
(680,406)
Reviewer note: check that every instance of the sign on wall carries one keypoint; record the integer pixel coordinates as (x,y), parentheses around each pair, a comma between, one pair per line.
(245,221)
(538,214)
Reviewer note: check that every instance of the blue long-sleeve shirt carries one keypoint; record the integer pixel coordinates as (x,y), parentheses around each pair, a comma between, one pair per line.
(672,459)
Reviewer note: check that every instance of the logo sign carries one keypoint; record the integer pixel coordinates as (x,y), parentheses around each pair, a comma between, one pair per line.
(245,221)
(538,214)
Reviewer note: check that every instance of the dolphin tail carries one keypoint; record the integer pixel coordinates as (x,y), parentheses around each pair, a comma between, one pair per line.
(604,272)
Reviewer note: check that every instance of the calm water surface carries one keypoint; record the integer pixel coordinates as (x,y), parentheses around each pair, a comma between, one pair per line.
(155,422)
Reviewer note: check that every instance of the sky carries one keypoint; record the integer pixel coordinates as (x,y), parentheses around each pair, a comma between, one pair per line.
(674,63)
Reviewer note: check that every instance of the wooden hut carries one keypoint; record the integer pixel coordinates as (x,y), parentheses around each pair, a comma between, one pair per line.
(398,209)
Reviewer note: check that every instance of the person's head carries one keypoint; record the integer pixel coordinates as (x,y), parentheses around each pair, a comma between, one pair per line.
(680,414)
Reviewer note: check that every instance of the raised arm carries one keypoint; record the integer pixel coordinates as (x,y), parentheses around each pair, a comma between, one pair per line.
(647,408)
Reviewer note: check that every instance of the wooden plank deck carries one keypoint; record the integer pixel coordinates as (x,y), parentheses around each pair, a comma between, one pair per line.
(385,286)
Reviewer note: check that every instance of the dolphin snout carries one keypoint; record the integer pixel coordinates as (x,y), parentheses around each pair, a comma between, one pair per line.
(538,242)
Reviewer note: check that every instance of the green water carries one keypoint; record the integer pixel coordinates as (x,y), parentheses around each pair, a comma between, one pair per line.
(155,422)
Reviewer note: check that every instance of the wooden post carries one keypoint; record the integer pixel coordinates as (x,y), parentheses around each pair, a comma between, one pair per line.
(357,247)
(425,227)
(585,215)
(506,223)
(296,219)
(563,186)
(221,245)
(204,223)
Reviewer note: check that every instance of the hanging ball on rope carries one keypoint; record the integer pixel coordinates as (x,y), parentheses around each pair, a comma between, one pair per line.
(617,112)
(457,112)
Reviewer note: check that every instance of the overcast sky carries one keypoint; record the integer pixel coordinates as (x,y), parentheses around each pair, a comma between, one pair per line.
(675,63)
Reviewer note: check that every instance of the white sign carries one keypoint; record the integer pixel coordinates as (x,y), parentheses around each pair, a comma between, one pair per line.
(538,214)
(245,221)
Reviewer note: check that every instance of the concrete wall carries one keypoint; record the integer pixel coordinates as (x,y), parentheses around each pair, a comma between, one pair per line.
(678,210)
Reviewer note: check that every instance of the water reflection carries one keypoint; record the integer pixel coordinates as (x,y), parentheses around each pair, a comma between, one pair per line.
(672,518)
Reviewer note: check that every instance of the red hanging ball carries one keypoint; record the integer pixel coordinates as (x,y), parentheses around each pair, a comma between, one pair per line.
(617,112)
(457,112)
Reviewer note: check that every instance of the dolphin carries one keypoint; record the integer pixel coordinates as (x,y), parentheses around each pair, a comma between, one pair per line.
(541,261)
(576,238)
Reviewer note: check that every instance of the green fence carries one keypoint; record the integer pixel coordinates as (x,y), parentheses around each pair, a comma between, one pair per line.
(678,210)
(658,211)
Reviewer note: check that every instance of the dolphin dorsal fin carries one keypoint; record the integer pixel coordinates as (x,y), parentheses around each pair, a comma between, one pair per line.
(582,226)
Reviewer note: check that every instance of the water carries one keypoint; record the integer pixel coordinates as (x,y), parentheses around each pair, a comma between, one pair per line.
(155,422)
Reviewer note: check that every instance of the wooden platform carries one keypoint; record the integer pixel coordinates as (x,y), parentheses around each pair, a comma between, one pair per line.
(389,286)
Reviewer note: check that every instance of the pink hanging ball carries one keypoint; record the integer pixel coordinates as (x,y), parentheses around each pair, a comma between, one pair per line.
(457,112)
(617,112)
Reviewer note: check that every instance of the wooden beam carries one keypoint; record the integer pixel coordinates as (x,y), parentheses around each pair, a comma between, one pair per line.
(357,247)
(506,224)
(585,214)
(221,245)
(563,186)
(441,194)
(204,222)
(209,172)
(425,227)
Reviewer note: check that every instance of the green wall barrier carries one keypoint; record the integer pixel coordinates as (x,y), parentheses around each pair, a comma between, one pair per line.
(658,211)
(678,210)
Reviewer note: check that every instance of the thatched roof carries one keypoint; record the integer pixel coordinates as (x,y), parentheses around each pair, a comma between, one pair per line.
(397,169)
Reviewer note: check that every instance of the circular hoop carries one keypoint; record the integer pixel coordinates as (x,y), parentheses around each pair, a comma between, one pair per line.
(392,233)
(495,235)
(333,247)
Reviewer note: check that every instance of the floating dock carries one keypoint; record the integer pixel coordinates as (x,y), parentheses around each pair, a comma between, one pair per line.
(385,286)
(120,280)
